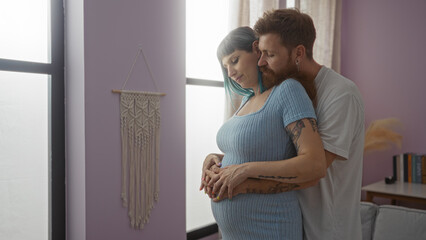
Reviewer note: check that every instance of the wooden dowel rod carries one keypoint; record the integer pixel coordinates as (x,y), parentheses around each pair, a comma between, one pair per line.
(127,91)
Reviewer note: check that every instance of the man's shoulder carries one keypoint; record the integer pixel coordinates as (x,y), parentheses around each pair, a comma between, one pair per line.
(332,85)
(330,78)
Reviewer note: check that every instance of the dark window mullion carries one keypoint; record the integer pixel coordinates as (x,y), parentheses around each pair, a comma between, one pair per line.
(58,206)
(57,35)
(204,82)
(28,67)
(57,158)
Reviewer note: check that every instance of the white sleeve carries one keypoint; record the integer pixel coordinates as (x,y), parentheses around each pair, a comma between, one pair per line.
(338,123)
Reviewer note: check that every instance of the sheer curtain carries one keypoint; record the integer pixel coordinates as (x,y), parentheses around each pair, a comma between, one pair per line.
(327,19)
(244,13)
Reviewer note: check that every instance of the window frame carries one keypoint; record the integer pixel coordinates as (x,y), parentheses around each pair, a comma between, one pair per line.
(204,82)
(56,95)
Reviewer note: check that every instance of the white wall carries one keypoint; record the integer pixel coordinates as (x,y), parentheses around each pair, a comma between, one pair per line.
(75,126)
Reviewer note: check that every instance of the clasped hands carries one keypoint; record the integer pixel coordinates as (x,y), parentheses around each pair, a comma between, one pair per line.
(219,183)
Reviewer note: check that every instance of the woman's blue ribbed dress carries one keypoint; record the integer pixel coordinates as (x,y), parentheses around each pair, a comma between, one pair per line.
(261,136)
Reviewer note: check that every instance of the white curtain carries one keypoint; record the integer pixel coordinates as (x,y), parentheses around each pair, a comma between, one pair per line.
(326,15)
(245,13)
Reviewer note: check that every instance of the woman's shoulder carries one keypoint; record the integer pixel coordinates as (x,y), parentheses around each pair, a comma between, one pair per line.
(290,83)
(290,86)
(291,91)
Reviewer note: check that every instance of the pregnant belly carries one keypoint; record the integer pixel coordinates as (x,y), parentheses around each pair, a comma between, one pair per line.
(247,210)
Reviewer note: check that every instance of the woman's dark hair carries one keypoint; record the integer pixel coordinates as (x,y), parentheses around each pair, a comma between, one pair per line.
(241,38)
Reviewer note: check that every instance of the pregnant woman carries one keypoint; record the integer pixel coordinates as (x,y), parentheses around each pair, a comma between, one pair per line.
(275,121)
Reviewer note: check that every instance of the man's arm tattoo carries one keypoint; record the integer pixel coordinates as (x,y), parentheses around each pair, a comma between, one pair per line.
(277,188)
(276,177)
(296,132)
(313,124)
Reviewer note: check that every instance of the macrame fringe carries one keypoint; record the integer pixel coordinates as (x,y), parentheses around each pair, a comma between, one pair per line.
(140,142)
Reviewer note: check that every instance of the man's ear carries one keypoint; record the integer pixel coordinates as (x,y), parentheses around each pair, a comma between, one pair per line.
(255,46)
(299,51)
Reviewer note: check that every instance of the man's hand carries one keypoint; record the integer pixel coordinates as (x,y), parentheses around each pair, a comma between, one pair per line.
(226,179)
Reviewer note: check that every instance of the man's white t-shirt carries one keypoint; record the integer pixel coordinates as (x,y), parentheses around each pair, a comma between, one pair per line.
(331,209)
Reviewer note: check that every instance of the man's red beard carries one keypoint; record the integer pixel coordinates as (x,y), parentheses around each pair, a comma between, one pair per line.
(271,78)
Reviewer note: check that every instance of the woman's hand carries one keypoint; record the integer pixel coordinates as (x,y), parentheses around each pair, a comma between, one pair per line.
(226,179)
(213,161)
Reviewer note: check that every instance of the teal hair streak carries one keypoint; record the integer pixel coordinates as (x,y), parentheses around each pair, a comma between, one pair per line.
(232,86)
(259,80)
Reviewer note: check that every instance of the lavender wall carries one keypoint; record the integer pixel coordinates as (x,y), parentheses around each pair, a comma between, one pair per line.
(113,31)
(383,52)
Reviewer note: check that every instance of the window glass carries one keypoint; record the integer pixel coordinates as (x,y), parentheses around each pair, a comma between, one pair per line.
(290,3)
(24,155)
(206,26)
(25,30)
(204,117)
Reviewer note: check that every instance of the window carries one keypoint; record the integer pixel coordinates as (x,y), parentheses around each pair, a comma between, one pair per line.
(206,26)
(291,3)
(32,141)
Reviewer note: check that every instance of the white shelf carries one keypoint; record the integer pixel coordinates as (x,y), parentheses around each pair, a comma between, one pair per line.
(398,188)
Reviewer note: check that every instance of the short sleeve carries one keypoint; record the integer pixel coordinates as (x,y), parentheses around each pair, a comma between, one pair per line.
(296,102)
(339,123)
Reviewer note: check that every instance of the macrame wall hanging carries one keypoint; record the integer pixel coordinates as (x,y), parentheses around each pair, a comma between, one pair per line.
(140,147)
